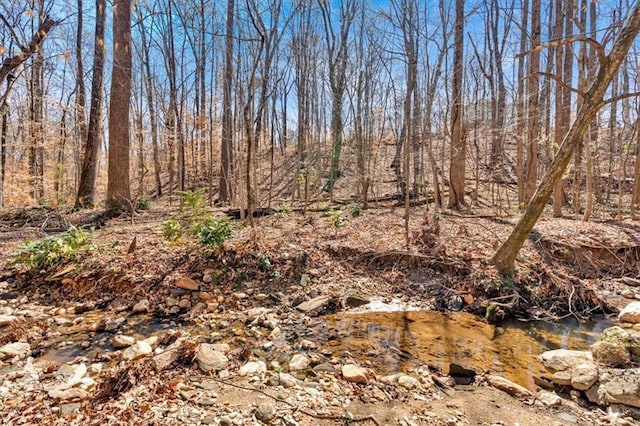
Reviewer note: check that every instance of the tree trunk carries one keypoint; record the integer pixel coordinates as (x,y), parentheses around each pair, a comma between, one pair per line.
(226,155)
(87,184)
(458,142)
(118,185)
(504,258)
(533,124)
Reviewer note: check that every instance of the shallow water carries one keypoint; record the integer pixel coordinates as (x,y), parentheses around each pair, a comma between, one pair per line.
(396,341)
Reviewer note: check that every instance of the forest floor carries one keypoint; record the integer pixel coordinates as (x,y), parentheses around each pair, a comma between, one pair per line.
(245,300)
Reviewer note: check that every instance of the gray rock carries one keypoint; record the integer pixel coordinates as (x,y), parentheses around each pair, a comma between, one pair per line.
(253,367)
(584,375)
(18,350)
(455,303)
(69,394)
(564,359)
(508,386)
(165,360)
(356,374)
(139,350)
(122,341)
(408,382)
(562,378)
(265,412)
(314,304)
(287,380)
(209,359)
(78,373)
(549,399)
(298,362)
(620,386)
(631,313)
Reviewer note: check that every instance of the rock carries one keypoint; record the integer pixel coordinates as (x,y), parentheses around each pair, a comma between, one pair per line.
(265,412)
(252,368)
(122,341)
(142,306)
(356,374)
(139,350)
(113,324)
(187,283)
(408,382)
(356,301)
(613,348)
(455,303)
(390,379)
(221,347)
(95,368)
(184,304)
(61,321)
(260,297)
(225,421)
(205,297)
(164,360)
(564,359)
(562,378)
(287,380)
(210,359)
(69,394)
(7,319)
(69,408)
(78,373)
(549,399)
(152,341)
(207,278)
(508,386)
(298,362)
(631,313)
(18,350)
(583,376)
(314,304)
(620,386)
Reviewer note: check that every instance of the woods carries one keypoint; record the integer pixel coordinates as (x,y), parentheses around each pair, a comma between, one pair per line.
(294,102)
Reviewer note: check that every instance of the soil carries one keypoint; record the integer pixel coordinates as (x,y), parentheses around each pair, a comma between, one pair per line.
(567,268)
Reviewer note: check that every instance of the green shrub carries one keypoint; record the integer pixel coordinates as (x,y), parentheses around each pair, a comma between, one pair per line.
(143,203)
(337,219)
(215,233)
(49,251)
(172,230)
(196,220)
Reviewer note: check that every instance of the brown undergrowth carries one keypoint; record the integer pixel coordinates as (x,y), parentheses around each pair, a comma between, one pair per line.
(305,254)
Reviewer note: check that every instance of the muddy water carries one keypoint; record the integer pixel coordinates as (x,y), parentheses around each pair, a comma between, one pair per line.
(396,341)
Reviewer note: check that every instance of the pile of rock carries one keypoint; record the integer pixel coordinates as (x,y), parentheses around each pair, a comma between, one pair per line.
(609,373)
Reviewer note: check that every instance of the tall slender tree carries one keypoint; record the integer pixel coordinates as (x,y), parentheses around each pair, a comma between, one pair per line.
(87,184)
(118,185)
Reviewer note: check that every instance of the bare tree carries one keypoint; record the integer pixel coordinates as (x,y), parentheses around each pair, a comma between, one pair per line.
(504,259)
(87,184)
(458,132)
(118,185)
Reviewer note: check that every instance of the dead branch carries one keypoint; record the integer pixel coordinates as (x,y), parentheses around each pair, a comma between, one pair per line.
(594,43)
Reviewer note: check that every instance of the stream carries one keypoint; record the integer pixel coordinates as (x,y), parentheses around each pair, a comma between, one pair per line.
(389,341)
(396,341)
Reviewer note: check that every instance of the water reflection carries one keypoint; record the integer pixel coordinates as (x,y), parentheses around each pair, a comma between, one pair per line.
(396,341)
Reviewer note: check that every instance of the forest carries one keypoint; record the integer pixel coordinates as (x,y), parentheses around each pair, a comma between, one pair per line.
(320,212)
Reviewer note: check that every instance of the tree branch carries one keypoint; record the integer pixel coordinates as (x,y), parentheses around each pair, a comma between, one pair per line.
(593,42)
(13,62)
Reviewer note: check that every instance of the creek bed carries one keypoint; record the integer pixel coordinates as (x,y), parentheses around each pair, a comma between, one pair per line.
(396,341)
